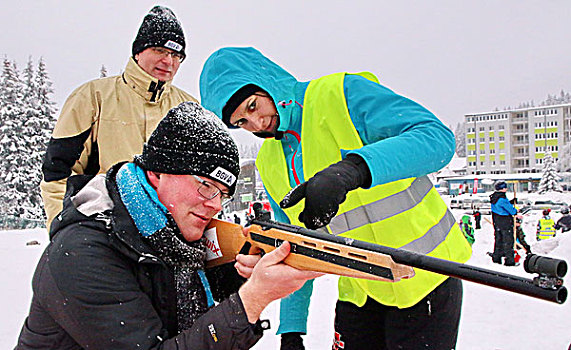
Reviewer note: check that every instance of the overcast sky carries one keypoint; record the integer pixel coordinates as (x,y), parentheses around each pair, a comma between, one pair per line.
(454,57)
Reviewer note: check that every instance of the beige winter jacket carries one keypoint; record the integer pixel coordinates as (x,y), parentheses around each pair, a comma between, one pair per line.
(103,122)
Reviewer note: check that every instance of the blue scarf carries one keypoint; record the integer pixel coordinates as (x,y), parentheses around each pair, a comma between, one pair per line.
(141,200)
(162,233)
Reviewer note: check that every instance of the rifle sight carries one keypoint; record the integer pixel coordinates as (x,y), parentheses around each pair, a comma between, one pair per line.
(545,266)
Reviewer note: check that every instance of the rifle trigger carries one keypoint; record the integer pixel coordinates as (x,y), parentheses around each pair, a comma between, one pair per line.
(245,250)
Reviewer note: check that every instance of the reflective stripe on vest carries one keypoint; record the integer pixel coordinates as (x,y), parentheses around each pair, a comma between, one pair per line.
(395,204)
(436,235)
(383,208)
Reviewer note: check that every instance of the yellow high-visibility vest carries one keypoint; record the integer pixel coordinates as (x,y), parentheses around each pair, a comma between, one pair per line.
(546,229)
(407,213)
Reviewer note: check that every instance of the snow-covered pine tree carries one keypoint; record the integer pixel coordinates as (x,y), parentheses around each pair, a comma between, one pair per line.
(28,169)
(11,141)
(27,116)
(28,81)
(460,136)
(39,123)
(549,178)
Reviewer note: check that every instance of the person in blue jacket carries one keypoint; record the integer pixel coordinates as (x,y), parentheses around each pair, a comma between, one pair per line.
(397,139)
(503,220)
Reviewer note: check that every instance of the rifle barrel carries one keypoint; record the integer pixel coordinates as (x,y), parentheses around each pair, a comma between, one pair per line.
(466,272)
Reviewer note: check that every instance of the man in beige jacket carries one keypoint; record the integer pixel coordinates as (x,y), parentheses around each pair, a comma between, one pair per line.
(108,120)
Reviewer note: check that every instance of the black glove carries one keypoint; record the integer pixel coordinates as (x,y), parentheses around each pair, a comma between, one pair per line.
(292,341)
(327,189)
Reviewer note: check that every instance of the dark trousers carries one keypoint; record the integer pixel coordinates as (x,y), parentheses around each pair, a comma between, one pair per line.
(430,324)
(503,246)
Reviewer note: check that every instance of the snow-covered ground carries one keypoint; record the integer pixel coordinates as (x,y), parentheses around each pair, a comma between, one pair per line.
(491,318)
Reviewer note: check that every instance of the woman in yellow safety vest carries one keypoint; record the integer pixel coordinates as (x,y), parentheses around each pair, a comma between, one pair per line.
(349,156)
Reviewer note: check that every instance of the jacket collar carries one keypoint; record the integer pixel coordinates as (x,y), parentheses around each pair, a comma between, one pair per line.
(110,212)
(146,86)
(121,222)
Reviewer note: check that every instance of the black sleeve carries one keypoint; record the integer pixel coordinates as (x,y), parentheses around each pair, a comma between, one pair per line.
(225,326)
(224,280)
(61,155)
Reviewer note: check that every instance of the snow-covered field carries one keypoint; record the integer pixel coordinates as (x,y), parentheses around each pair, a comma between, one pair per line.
(491,318)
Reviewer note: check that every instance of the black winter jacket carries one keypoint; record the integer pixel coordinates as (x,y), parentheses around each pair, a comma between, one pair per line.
(99,286)
(503,222)
(564,223)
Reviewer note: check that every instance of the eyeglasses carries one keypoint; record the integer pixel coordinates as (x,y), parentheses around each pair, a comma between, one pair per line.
(160,51)
(209,190)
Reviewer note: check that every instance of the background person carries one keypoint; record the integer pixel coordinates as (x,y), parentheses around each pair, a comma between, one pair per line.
(467,229)
(477,217)
(108,120)
(545,226)
(564,223)
(125,266)
(520,235)
(502,218)
(350,148)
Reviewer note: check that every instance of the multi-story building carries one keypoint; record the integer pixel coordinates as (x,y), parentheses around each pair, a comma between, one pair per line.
(515,141)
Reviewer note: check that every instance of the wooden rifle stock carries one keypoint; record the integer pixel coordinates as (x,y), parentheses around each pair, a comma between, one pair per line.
(323,252)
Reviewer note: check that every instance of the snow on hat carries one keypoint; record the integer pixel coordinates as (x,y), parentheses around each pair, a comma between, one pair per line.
(160,28)
(192,141)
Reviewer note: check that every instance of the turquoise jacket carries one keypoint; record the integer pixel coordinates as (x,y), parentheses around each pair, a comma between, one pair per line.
(401,138)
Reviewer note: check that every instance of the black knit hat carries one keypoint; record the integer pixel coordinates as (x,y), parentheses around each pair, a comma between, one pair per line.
(160,28)
(192,141)
(500,185)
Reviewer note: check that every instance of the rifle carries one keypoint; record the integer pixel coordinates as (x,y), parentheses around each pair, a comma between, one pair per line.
(323,252)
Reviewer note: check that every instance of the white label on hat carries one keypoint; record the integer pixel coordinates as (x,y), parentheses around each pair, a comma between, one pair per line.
(223,176)
(213,250)
(173,46)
